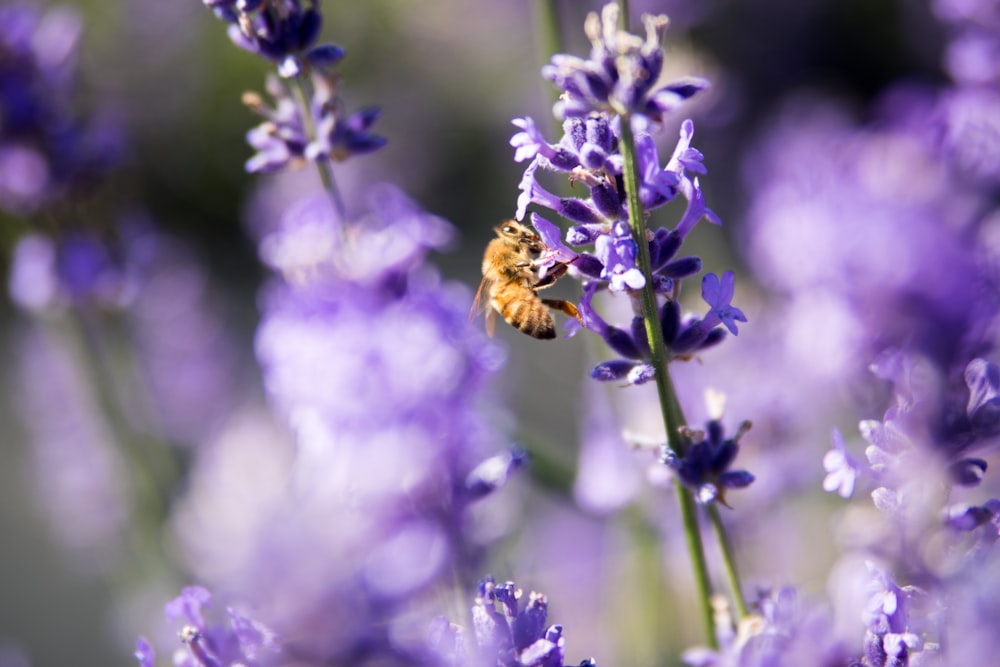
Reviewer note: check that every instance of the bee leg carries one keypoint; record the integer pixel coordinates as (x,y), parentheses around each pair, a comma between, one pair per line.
(564,306)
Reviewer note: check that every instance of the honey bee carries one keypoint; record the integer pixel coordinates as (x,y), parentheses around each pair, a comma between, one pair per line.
(510,282)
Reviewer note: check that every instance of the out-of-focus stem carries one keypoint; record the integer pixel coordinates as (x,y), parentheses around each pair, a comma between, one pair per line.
(151,465)
(673,418)
(623,14)
(550,41)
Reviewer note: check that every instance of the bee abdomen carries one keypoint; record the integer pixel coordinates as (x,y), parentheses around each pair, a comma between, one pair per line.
(530,316)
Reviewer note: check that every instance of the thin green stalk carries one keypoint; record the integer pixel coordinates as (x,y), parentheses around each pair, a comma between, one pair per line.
(152,469)
(549,27)
(550,40)
(301,95)
(728,562)
(673,418)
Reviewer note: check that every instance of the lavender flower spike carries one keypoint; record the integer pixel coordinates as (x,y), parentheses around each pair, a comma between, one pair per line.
(620,74)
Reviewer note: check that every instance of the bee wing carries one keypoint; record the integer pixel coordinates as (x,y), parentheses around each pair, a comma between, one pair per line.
(482,298)
(481,302)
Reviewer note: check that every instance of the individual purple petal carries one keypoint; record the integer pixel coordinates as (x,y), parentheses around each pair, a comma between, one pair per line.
(615,369)
(188,605)
(967,472)
(982,378)
(325,55)
(255,638)
(530,143)
(966,518)
(736,479)
(640,374)
(718,295)
(144,653)
(493,473)
(841,468)
(886,500)
(555,251)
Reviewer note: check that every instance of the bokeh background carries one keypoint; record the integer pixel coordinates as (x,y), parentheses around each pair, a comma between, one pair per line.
(816,120)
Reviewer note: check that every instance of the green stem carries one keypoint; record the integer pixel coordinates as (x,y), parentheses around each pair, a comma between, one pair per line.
(550,41)
(673,417)
(728,562)
(152,468)
(325,167)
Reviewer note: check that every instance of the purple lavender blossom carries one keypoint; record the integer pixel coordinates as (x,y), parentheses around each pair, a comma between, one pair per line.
(589,154)
(243,641)
(841,468)
(683,336)
(507,632)
(283,139)
(283,32)
(616,252)
(705,464)
(75,270)
(854,213)
(889,641)
(620,74)
(964,517)
(366,354)
(48,150)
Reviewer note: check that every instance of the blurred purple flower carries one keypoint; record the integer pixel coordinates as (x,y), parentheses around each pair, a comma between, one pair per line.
(78,473)
(367,355)
(841,468)
(184,346)
(48,150)
(786,631)
(875,206)
(282,32)
(616,251)
(244,641)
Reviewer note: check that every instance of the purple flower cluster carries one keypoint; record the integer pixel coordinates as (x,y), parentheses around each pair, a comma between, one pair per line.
(620,75)
(243,641)
(918,459)
(785,630)
(306,121)
(48,150)
(599,94)
(921,425)
(291,136)
(283,31)
(969,110)
(704,465)
(367,355)
(890,640)
(507,632)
